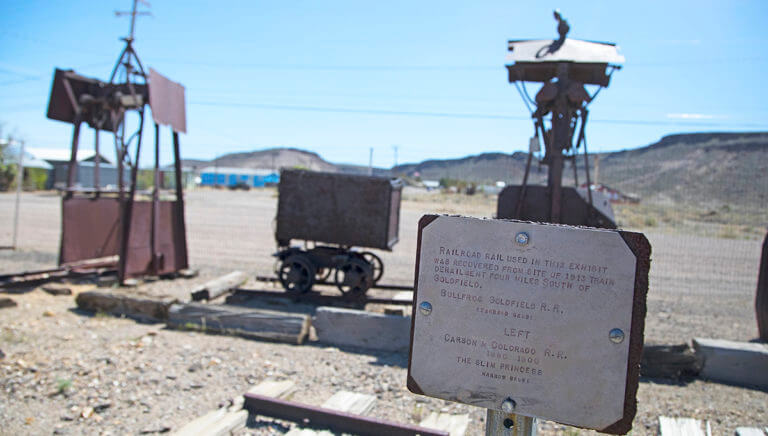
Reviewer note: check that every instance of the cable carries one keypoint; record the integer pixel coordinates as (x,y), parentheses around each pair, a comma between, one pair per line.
(462,115)
(523,96)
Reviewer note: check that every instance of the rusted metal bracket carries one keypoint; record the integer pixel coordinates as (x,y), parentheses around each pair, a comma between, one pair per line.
(319,417)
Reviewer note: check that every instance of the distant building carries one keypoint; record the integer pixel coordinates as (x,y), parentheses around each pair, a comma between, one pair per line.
(431,184)
(58,158)
(228,176)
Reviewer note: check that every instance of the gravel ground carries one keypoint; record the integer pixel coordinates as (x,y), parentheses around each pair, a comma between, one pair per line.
(69,372)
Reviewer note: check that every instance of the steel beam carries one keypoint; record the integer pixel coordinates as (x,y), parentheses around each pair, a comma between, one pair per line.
(338,422)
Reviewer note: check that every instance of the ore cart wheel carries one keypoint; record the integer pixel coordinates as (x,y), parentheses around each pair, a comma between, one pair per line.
(376,264)
(354,277)
(296,274)
(323,274)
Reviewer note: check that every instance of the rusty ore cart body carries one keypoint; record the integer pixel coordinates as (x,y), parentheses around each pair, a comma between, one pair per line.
(341,211)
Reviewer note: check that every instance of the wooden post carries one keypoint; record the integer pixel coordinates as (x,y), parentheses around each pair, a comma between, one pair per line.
(19,183)
(181,255)
(96,162)
(761,299)
(498,423)
(155,218)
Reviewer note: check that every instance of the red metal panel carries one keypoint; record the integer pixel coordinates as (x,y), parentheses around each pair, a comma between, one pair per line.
(167,100)
(139,256)
(89,228)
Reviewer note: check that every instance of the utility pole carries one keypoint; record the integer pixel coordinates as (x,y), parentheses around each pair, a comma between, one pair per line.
(370,163)
(19,182)
(597,169)
(395,147)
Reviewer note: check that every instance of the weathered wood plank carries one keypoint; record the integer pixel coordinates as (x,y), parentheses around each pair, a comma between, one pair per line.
(193,427)
(273,388)
(740,363)
(250,323)
(57,289)
(669,361)
(682,427)
(750,431)
(343,401)
(456,425)
(117,303)
(223,421)
(298,431)
(7,302)
(350,402)
(219,286)
(337,326)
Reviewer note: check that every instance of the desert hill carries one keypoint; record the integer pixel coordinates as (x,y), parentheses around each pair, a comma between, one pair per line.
(272,158)
(694,168)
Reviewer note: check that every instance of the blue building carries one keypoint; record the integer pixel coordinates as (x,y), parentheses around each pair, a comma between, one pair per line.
(228,176)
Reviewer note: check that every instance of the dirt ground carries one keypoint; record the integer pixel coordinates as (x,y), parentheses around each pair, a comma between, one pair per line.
(69,372)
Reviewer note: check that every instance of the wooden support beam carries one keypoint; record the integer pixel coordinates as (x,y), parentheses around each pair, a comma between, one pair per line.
(357,328)
(683,427)
(219,286)
(456,425)
(251,323)
(130,305)
(739,363)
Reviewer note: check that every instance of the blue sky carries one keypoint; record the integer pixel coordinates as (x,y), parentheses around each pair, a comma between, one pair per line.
(339,77)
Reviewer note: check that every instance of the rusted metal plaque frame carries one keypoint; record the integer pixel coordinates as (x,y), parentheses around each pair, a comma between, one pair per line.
(91,226)
(640,248)
(761,296)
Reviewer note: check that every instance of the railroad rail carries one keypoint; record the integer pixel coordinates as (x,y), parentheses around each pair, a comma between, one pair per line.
(272,279)
(319,417)
(91,267)
(315,298)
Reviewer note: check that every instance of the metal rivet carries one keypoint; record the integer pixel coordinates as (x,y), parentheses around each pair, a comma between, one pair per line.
(522,238)
(508,405)
(425,308)
(616,336)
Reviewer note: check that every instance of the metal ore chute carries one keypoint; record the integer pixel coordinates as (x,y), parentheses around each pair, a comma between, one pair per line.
(564,66)
(108,222)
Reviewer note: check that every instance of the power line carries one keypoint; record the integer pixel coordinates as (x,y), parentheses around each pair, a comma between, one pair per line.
(430,68)
(367,111)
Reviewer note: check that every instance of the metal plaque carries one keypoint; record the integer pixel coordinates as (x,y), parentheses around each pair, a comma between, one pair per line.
(537,319)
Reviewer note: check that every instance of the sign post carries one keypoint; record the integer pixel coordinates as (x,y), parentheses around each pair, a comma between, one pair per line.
(508,424)
(529,321)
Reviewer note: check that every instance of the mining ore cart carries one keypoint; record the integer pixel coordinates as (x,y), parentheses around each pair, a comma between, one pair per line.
(335,215)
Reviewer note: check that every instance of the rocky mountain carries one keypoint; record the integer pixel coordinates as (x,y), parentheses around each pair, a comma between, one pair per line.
(272,158)
(485,167)
(691,167)
(694,168)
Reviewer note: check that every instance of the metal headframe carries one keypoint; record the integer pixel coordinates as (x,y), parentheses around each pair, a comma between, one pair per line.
(564,66)
(106,106)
